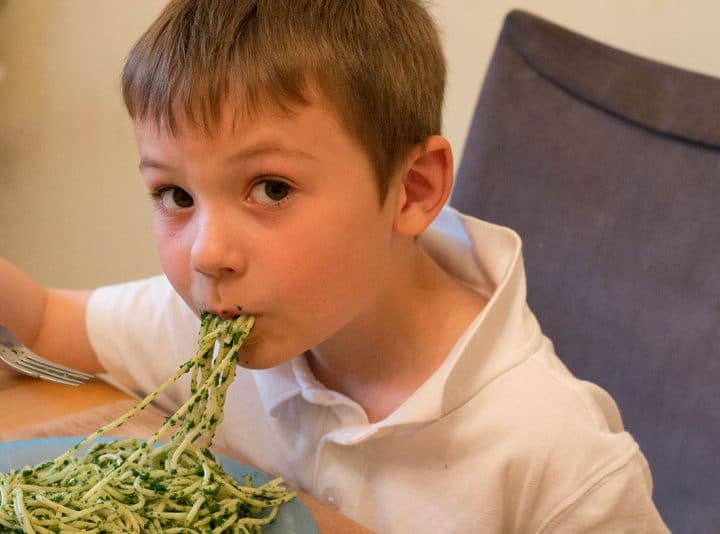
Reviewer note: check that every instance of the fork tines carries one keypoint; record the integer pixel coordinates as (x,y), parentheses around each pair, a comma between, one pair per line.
(25,361)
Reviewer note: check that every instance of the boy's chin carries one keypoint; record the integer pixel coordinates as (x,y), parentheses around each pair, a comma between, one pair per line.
(259,358)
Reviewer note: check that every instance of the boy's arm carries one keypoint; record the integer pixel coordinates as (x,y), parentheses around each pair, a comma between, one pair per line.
(51,322)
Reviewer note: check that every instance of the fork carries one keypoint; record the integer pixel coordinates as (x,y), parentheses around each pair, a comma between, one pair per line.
(19,357)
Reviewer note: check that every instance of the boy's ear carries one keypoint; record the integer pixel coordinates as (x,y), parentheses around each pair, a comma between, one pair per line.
(424,186)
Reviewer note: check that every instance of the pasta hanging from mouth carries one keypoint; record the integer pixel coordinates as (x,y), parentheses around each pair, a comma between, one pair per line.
(147,486)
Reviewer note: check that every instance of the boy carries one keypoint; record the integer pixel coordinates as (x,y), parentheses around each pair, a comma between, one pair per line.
(293,154)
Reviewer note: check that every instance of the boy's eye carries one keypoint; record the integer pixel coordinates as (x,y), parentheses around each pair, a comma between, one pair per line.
(269,192)
(174,198)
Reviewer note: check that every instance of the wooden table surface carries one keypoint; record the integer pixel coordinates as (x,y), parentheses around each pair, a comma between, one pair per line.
(33,408)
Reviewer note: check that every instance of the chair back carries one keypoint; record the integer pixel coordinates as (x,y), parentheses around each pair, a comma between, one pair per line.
(608,166)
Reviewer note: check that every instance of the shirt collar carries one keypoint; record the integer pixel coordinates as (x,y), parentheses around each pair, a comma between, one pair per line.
(488,259)
(276,386)
(279,384)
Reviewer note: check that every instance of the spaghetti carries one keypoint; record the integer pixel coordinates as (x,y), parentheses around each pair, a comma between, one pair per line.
(146,486)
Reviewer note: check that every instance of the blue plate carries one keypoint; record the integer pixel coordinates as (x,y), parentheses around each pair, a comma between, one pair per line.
(292,518)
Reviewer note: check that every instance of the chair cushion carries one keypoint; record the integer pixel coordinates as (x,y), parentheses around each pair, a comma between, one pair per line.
(608,166)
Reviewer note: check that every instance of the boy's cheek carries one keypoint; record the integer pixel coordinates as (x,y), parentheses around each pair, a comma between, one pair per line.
(184,289)
(176,267)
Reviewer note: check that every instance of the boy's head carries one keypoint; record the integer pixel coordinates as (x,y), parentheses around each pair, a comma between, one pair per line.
(378,62)
(266,130)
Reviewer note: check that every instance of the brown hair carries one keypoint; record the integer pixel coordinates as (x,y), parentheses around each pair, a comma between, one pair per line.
(379,62)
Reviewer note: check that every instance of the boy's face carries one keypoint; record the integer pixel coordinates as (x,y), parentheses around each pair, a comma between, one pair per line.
(279,215)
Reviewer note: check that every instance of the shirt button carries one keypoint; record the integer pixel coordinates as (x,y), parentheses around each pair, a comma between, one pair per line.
(332,497)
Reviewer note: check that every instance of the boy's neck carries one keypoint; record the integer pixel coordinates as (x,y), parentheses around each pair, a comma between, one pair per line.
(381,359)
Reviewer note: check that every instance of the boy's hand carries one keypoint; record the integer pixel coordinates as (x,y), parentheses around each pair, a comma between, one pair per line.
(50,322)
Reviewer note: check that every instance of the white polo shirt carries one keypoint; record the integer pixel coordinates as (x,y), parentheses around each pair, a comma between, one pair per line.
(501,438)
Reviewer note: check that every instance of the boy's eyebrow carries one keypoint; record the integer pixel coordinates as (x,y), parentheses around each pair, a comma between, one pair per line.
(243,154)
(265,147)
(146,163)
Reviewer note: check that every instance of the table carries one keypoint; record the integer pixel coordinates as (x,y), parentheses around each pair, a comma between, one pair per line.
(33,408)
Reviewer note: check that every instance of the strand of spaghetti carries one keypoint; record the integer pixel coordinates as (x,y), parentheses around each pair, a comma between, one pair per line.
(259,521)
(4,495)
(20,510)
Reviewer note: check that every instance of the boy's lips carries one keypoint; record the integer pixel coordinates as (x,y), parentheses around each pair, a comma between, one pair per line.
(229,313)
(227,308)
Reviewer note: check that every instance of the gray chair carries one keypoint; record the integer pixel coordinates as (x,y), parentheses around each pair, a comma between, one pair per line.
(608,166)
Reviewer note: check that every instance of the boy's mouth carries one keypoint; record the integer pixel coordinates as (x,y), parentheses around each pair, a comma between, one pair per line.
(226,312)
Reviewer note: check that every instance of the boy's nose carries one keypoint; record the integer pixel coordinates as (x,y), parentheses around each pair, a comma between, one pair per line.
(216,249)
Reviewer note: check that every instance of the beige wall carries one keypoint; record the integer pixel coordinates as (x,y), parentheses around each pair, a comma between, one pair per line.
(73,211)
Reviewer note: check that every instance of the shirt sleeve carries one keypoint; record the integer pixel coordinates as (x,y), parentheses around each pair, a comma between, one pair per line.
(617,499)
(142,331)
